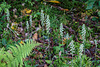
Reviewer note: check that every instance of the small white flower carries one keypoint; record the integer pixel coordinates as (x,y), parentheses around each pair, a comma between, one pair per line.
(44,3)
(7,25)
(14,10)
(61,30)
(26,34)
(23,4)
(48,24)
(60,54)
(81,50)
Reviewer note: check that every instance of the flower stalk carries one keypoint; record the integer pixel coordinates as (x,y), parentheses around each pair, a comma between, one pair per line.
(72,49)
(61,32)
(83,35)
(42,23)
(96,48)
(48,28)
(80,53)
(30,19)
(8,14)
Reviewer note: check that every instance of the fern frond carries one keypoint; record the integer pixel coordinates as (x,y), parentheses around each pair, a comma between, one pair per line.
(19,52)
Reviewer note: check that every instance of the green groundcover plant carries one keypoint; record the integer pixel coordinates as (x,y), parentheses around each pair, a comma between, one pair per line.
(15,55)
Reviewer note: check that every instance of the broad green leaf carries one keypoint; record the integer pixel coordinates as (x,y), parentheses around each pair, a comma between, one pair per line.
(48,61)
(98,13)
(0,9)
(62,49)
(90,5)
(61,45)
(4,42)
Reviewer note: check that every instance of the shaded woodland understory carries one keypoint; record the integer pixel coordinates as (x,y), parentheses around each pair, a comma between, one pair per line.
(49,33)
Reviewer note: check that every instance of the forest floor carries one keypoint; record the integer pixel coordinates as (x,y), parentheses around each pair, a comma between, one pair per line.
(55,50)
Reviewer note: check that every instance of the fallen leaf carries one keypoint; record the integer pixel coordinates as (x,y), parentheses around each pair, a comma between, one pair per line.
(83,15)
(45,65)
(35,36)
(12,27)
(54,1)
(64,41)
(21,42)
(80,36)
(28,11)
(15,16)
(65,9)
(25,11)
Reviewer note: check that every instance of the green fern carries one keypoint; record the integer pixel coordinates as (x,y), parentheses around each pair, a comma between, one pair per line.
(15,59)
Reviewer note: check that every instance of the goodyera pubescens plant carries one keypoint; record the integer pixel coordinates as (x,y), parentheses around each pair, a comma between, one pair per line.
(27,25)
(61,31)
(83,32)
(48,25)
(48,28)
(31,20)
(83,35)
(42,18)
(67,37)
(96,48)
(8,14)
(42,22)
(80,53)
(72,49)
(81,50)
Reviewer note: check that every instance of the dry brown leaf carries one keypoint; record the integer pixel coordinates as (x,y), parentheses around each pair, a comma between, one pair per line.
(15,16)
(64,41)
(35,36)
(80,36)
(26,12)
(83,14)
(54,1)
(45,65)
(65,9)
